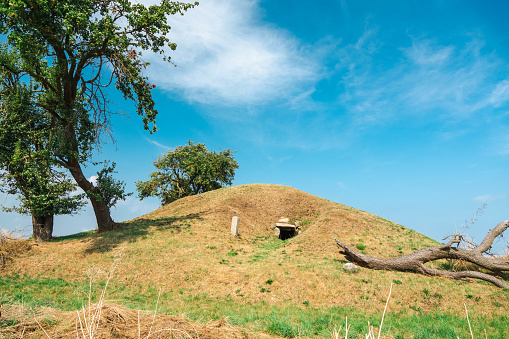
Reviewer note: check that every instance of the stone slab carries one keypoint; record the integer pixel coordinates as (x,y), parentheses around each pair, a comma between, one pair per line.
(235,226)
(285,226)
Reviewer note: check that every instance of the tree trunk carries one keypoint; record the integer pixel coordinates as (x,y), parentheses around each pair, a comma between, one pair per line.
(102,211)
(42,227)
(102,215)
(415,261)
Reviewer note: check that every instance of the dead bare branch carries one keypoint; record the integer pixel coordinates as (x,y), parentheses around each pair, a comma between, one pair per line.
(415,261)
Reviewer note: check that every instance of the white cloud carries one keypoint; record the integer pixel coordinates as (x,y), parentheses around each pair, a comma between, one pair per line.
(487,198)
(425,53)
(226,56)
(93,180)
(153,142)
(438,81)
(500,94)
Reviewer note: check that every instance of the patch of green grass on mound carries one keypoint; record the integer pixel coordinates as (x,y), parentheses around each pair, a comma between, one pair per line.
(289,321)
(80,235)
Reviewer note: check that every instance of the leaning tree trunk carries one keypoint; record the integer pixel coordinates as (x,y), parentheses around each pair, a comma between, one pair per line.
(415,261)
(42,227)
(102,211)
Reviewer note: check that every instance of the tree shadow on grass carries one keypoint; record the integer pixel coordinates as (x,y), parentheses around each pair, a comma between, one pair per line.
(130,232)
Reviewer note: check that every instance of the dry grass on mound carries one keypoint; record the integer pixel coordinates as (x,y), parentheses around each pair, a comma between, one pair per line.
(110,321)
(11,246)
(104,321)
(185,248)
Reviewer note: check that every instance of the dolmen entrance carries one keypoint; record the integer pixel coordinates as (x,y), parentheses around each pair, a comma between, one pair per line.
(283,229)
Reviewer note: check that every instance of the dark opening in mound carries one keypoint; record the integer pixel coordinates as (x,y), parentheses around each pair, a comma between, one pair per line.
(283,235)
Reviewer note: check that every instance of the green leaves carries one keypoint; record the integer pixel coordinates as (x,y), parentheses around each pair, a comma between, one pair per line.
(188,170)
(27,139)
(110,190)
(64,44)
(72,50)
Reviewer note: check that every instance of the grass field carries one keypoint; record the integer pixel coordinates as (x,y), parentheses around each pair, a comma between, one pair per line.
(182,259)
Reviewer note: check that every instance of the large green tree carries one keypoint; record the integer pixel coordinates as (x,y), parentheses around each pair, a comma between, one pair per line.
(73,50)
(26,170)
(188,170)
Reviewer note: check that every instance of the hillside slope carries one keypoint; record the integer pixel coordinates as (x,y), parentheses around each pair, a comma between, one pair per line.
(186,250)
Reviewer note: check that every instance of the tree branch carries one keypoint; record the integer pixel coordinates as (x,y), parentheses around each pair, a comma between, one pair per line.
(415,261)
(491,236)
(465,274)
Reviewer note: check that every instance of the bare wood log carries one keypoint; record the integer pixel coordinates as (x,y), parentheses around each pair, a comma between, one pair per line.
(491,236)
(415,261)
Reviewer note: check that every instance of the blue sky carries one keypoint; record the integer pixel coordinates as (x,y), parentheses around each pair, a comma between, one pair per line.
(398,108)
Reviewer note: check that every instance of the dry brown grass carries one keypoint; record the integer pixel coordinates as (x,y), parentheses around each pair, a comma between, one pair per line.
(103,320)
(11,246)
(115,322)
(186,249)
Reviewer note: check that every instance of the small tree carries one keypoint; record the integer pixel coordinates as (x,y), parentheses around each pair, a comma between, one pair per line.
(188,170)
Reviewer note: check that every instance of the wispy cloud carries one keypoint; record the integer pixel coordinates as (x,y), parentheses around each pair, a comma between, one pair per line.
(226,56)
(487,198)
(500,94)
(425,53)
(431,79)
(153,142)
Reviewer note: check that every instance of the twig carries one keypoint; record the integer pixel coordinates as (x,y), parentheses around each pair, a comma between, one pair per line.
(480,210)
(155,312)
(385,309)
(40,325)
(468,321)
(139,329)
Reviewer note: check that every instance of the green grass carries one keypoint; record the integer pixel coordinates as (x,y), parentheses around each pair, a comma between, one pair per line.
(288,322)
(56,293)
(291,321)
(255,300)
(80,235)
(360,246)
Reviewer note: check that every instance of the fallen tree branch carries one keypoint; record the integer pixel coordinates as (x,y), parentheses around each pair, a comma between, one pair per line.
(415,261)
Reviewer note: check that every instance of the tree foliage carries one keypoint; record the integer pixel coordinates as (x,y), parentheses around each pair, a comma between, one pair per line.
(26,138)
(66,45)
(72,50)
(110,189)
(188,170)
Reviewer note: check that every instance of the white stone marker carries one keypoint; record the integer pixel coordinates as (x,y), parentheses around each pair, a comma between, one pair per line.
(349,267)
(235,226)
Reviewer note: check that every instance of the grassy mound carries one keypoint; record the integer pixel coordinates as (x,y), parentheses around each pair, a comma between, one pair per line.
(256,281)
